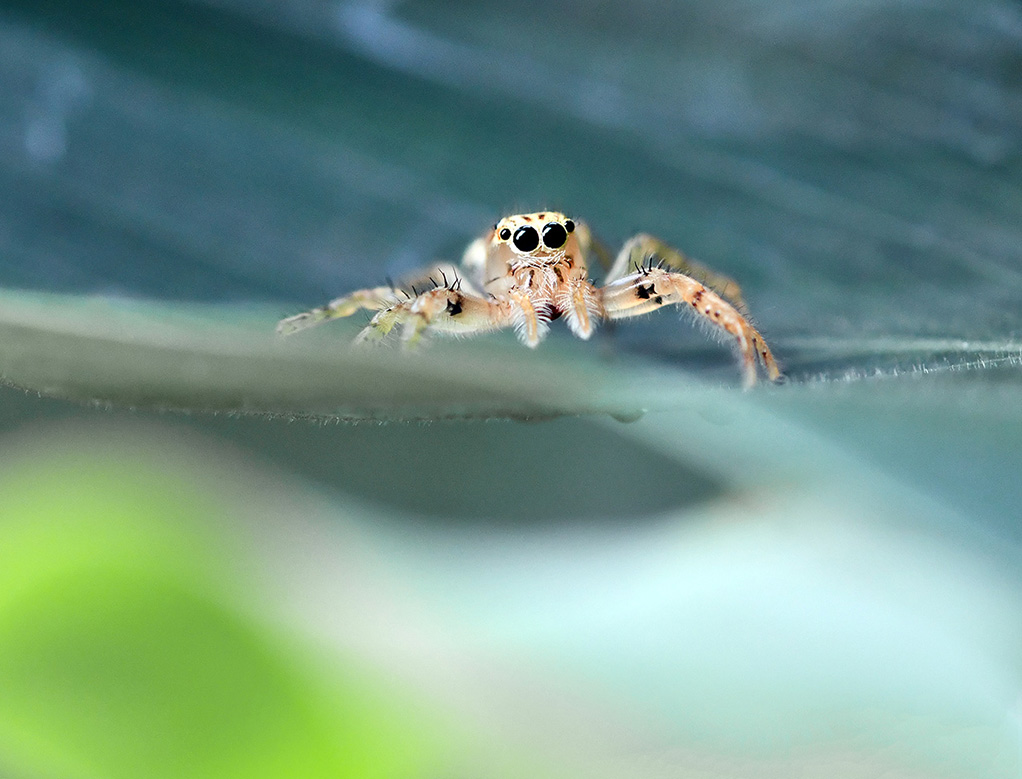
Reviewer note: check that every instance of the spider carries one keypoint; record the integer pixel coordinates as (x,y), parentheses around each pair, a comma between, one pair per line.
(530,270)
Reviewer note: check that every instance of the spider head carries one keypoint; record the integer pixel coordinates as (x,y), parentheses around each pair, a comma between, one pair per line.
(534,235)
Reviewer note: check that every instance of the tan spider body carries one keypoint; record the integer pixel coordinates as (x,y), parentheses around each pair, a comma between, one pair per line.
(532,269)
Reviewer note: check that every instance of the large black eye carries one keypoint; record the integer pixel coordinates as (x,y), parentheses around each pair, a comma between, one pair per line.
(504,234)
(526,239)
(570,226)
(554,236)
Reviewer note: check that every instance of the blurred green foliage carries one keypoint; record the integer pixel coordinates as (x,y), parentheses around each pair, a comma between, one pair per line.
(124,651)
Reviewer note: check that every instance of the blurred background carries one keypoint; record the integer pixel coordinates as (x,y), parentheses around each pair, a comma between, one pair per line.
(222,555)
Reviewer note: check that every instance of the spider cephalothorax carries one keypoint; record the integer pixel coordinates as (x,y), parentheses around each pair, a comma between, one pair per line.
(532,269)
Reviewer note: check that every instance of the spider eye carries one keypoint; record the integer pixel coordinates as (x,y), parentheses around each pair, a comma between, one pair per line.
(504,234)
(554,235)
(569,226)
(526,239)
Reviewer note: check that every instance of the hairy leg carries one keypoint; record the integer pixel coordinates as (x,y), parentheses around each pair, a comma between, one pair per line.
(444,309)
(645,250)
(372,299)
(378,298)
(592,247)
(652,288)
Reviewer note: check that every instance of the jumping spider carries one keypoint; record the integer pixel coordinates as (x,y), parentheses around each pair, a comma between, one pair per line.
(531,269)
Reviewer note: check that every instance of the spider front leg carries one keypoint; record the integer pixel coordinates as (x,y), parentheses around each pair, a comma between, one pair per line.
(444,309)
(375,298)
(372,299)
(637,251)
(651,288)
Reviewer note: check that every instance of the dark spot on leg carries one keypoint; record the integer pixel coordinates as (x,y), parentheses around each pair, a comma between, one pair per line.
(645,292)
(453,307)
(658,300)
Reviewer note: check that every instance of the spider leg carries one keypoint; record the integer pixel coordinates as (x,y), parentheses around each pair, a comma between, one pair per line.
(647,250)
(651,288)
(372,299)
(378,298)
(445,274)
(592,247)
(444,309)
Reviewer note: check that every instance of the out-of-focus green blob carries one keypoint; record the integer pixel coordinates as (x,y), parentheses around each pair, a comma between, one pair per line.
(122,654)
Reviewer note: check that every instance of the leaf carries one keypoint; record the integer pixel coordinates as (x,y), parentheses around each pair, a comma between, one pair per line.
(224,359)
